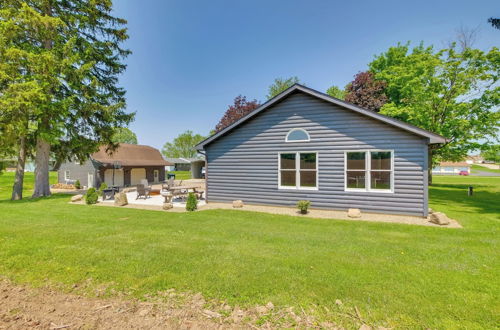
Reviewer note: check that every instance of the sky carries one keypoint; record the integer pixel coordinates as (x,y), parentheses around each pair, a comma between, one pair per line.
(190,59)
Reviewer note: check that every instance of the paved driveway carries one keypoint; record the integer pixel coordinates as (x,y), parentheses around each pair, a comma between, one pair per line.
(483,173)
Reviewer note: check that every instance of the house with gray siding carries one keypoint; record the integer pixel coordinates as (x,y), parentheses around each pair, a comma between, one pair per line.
(306,145)
(125,166)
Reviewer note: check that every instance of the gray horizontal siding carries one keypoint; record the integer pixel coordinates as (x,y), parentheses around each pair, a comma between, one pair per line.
(77,172)
(244,163)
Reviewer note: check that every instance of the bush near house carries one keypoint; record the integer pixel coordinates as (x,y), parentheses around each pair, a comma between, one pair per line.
(91,196)
(102,187)
(192,202)
(303,206)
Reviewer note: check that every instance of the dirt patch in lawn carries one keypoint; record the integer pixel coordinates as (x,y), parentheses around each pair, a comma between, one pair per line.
(23,307)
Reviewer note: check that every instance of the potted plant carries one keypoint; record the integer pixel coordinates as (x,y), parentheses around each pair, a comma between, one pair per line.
(303,206)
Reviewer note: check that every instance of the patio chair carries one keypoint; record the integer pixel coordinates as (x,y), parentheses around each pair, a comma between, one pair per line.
(142,191)
(145,183)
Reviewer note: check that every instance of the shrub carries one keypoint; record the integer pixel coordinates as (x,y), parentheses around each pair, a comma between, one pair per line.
(303,206)
(91,196)
(102,187)
(192,202)
(77,184)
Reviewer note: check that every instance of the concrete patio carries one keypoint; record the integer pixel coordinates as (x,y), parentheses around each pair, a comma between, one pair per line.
(153,200)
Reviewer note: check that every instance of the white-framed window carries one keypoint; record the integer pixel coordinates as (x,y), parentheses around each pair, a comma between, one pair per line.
(297,135)
(66,175)
(298,170)
(369,170)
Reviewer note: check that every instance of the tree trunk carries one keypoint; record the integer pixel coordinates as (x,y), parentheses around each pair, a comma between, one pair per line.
(42,187)
(42,156)
(17,189)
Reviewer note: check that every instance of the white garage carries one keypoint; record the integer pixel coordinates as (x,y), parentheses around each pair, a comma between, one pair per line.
(136,175)
(108,177)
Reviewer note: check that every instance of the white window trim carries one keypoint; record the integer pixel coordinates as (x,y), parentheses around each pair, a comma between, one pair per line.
(297,129)
(66,175)
(297,170)
(368,169)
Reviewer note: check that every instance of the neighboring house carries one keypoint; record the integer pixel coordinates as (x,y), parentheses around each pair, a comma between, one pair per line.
(306,145)
(453,168)
(127,166)
(194,165)
(474,159)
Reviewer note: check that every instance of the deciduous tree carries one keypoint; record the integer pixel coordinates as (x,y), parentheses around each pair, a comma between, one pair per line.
(280,84)
(336,92)
(124,135)
(183,145)
(240,108)
(492,153)
(366,92)
(449,92)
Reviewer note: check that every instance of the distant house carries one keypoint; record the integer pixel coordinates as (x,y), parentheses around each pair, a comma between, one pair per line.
(474,159)
(306,145)
(451,168)
(127,166)
(194,165)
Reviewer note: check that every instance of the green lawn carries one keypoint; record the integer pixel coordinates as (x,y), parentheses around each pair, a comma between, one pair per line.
(181,175)
(483,169)
(401,276)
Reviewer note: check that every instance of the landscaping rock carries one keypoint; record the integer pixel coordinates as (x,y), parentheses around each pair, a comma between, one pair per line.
(167,206)
(430,211)
(238,203)
(354,213)
(439,218)
(76,198)
(121,199)
(338,302)
(270,305)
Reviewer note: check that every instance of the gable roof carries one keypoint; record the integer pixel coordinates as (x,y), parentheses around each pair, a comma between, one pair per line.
(182,160)
(131,155)
(433,138)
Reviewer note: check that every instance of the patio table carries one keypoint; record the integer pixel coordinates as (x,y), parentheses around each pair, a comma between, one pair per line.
(176,190)
(109,193)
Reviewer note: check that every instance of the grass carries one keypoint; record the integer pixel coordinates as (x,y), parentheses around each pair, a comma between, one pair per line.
(401,276)
(484,169)
(180,175)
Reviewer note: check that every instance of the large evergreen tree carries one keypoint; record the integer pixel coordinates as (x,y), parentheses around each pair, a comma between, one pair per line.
(77,58)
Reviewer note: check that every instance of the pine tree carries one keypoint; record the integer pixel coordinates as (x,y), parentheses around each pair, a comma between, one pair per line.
(78,61)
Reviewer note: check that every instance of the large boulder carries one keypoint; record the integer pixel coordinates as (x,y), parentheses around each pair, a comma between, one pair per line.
(121,199)
(439,218)
(354,213)
(76,198)
(167,206)
(238,203)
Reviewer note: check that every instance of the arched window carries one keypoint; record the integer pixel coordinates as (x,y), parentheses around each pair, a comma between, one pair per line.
(297,135)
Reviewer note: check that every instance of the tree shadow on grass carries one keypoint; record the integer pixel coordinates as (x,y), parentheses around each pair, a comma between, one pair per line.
(482,200)
(28,199)
(457,186)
